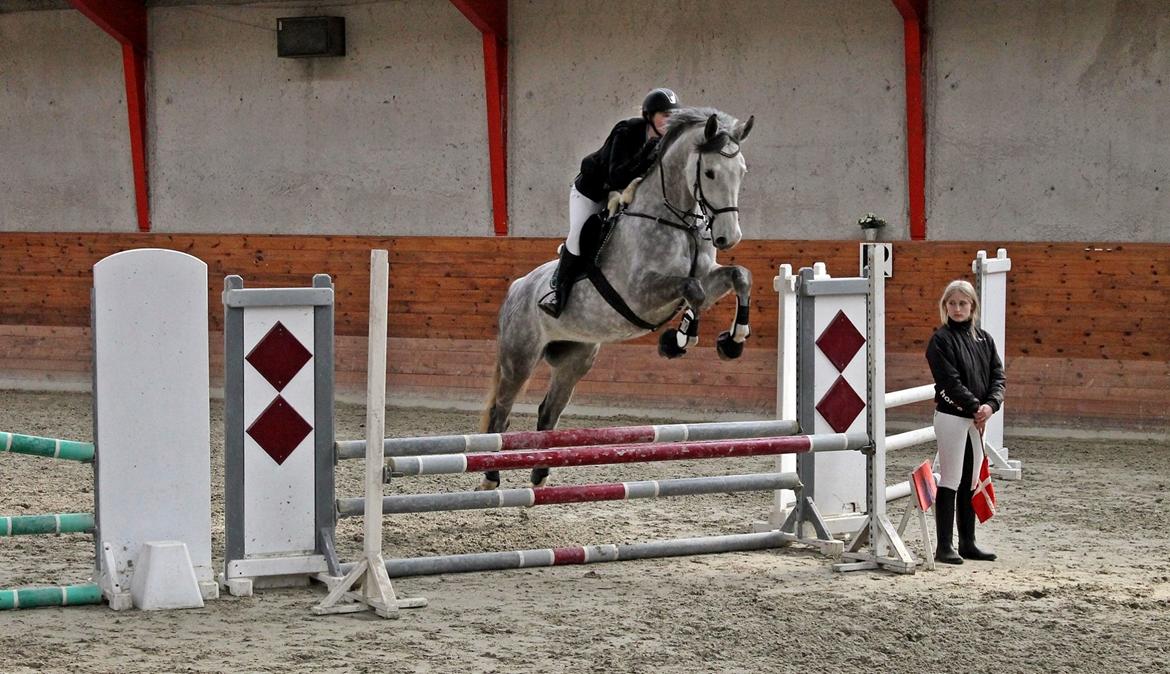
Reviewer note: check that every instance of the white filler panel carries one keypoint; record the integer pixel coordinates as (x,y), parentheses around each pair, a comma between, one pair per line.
(152,416)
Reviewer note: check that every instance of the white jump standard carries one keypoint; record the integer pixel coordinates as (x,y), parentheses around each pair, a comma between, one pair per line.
(837,483)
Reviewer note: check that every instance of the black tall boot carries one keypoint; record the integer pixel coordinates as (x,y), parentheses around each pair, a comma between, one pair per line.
(966,512)
(562,282)
(944,520)
(967,547)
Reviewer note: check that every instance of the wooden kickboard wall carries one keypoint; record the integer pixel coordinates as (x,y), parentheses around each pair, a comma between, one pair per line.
(1088,337)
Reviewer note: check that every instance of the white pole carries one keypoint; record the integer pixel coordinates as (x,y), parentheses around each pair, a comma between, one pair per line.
(910,395)
(785,284)
(917,436)
(369,574)
(376,399)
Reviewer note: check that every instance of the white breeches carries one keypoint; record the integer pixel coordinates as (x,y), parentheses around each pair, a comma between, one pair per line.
(580,208)
(953,434)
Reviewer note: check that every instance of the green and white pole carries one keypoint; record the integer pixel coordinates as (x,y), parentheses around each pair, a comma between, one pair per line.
(36,597)
(48,447)
(63,523)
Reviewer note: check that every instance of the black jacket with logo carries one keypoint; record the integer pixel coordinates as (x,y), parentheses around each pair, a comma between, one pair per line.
(966,368)
(625,155)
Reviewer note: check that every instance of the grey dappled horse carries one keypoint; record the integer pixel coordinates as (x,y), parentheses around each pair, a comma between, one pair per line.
(660,258)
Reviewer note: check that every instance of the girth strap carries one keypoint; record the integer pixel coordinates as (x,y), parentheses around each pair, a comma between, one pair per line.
(614,299)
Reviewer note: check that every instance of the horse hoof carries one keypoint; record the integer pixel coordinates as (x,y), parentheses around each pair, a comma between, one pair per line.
(668,344)
(728,348)
(487,485)
(539,477)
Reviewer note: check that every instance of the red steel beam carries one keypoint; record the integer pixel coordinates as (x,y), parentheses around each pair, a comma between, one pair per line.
(490,17)
(125,21)
(913,20)
(134,67)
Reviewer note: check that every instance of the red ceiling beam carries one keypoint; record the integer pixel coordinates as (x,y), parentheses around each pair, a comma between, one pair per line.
(490,17)
(125,21)
(913,27)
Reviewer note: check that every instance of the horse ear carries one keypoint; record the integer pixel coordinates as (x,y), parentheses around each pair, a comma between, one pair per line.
(712,127)
(744,129)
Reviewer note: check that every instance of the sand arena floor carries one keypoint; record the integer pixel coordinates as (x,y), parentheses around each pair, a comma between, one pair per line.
(1082,582)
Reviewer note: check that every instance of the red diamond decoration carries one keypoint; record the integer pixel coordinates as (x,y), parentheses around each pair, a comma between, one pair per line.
(840,406)
(279,429)
(279,356)
(840,341)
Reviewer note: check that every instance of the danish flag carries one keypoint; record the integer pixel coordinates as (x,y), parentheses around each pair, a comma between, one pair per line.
(983,499)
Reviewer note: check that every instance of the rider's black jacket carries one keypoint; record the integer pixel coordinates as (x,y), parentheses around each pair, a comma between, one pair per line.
(625,155)
(966,368)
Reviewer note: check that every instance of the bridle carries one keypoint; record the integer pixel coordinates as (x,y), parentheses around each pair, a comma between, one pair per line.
(699,224)
(696,225)
(707,211)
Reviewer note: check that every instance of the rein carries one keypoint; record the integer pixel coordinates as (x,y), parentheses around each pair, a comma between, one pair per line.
(706,215)
(695,232)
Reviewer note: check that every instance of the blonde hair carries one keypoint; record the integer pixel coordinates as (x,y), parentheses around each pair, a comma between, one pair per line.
(964,288)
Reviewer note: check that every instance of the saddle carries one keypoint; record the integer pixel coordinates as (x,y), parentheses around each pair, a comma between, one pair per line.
(594,235)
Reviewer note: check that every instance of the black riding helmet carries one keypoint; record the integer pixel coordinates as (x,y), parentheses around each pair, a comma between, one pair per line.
(659,100)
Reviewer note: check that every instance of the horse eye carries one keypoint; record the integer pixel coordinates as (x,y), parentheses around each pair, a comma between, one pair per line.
(709,173)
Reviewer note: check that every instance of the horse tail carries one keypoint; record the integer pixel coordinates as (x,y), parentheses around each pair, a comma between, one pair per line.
(485,419)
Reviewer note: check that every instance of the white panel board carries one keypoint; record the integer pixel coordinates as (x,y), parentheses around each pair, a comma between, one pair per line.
(151,385)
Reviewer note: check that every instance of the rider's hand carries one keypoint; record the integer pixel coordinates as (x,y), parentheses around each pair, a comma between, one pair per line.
(983,414)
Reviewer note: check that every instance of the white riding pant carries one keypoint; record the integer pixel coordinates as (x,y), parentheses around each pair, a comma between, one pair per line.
(580,208)
(952,434)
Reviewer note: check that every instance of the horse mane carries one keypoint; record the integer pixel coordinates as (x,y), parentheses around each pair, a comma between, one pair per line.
(684,119)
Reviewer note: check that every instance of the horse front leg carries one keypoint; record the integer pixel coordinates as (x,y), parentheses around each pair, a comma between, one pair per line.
(718,282)
(673,342)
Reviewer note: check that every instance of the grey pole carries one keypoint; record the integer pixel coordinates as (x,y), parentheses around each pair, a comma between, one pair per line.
(615,491)
(494,442)
(591,554)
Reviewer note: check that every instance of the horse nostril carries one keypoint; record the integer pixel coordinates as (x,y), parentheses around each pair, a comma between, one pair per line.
(721,242)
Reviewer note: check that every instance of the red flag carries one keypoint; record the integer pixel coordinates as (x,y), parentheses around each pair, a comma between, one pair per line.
(983,500)
(925,488)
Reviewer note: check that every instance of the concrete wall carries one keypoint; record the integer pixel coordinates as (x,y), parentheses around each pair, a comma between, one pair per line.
(824,81)
(1044,117)
(1048,120)
(389,139)
(64,137)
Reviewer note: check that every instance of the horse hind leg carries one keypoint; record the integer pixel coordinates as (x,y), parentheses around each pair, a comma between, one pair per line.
(508,380)
(570,362)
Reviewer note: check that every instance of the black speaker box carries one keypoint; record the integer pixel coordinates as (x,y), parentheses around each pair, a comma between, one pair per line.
(310,36)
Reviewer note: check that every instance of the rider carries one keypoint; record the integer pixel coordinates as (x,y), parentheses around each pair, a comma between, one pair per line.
(628,152)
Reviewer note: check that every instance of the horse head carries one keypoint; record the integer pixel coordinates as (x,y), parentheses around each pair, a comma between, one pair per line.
(701,157)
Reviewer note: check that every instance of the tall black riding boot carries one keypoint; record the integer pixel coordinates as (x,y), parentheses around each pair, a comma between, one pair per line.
(944,520)
(966,512)
(562,282)
(967,547)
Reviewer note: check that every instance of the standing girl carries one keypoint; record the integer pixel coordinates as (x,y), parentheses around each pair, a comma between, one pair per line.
(968,389)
